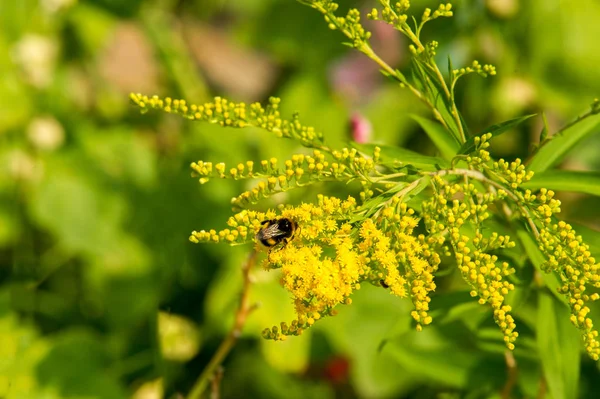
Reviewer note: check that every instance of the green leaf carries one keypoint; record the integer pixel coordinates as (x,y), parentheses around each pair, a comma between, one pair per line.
(459,305)
(372,318)
(559,346)
(450,69)
(88,205)
(560,144)
(396,157)
(400,75)
(442,138)
(545,129)
(537,258)
(77,365)
(495,130)
(431,85)
(422,185)
(425,355)
(566,180)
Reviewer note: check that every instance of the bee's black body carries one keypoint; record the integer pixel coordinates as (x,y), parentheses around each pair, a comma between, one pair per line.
(276,231)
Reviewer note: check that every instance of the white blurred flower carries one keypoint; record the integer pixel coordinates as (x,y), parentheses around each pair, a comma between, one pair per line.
(179,337)
(150,390)
(36,55)
(46,133)
(53,6)
(503,8)
(514,94)
(21,165)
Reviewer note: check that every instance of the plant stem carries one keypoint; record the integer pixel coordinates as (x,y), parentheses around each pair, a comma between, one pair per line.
(368,51)
(415,38)
(242,313)
(512,371)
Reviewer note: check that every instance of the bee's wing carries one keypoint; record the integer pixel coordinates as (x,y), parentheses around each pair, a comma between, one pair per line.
(271,231)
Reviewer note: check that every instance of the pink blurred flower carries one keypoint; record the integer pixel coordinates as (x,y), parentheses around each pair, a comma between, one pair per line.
(360,128)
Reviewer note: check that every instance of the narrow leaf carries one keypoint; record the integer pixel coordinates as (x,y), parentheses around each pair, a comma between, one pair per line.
(560,144)
(566,180)
(545,130)
(559,346)
(435,91)
(423,184)
(371,204)
(400,75)
(450,69)
(442,138)
(495,130)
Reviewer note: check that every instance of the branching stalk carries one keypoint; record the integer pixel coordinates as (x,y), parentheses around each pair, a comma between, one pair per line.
(226,346)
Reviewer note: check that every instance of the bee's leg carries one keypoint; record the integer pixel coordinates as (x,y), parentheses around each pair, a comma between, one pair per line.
(277,248)
(271,250)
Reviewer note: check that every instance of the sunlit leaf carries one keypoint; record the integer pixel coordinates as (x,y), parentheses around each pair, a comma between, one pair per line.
(566,180)
(560,144)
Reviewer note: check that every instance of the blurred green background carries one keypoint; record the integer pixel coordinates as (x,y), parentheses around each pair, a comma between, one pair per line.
(101,293)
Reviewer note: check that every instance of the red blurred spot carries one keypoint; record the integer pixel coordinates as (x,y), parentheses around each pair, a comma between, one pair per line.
(337,369)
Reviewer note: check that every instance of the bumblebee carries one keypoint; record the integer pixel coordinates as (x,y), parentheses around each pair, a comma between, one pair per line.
(277,231)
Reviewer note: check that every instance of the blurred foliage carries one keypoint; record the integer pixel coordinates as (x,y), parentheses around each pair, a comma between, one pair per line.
(102,295)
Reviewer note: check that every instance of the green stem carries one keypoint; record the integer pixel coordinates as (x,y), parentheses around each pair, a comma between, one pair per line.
(243,311)
(368,51)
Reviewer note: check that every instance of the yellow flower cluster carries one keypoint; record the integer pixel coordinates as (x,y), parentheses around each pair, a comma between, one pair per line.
(570,257)
(320,267)
(238,115)
(443,10)
(394,15)
(410,261)
(349,25)
(511,173)
(298,171)
(329,257)
(243,227)
(334,261)
(446,215)
(476,67)
(565,252)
